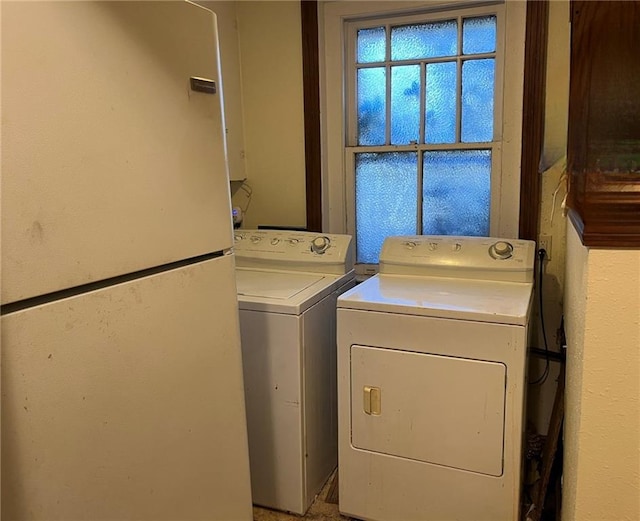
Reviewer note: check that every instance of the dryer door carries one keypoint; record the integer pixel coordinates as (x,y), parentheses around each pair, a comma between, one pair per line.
(437,409)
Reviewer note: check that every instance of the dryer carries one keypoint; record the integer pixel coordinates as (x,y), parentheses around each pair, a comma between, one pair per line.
(288,283)
(432,354)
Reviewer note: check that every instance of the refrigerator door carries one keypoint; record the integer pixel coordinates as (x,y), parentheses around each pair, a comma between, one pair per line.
(127,403)
(111,163)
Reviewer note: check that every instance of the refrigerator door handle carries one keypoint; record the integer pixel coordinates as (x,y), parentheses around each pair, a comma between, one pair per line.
(202,85)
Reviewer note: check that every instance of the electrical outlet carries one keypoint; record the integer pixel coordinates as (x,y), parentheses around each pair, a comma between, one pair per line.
(544,243)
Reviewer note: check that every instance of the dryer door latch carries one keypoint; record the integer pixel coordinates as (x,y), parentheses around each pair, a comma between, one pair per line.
(372,400)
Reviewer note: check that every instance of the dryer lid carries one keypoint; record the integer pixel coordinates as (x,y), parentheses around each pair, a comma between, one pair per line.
(440,297)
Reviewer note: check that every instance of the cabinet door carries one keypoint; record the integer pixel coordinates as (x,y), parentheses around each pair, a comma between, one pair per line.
(437,409)
(111,163)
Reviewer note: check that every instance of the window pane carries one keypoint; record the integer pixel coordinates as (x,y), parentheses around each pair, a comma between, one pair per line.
(477,100)
(405,104)
(440,117)
(456,192)
(386,200)
(410,42)
(371,45)
(372,103)
(479,35)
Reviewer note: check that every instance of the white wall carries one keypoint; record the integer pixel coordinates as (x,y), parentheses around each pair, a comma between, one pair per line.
(271,68)
(602,400)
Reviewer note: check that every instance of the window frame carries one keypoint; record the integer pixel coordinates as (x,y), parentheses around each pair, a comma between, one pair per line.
(337,185)
(495,145)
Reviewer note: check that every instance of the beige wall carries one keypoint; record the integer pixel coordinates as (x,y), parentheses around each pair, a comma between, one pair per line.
(602,422)
(261,56)
(552,220)
(231,83)
(271,70)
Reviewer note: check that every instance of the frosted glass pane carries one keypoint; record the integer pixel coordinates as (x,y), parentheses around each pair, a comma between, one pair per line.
(456,190)
(386,200)
(440,117)
(371,45)
(478,78)
(405,104)
(411,42)
(372,103)
(479,35)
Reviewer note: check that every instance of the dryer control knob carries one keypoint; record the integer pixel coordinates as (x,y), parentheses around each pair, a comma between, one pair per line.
(501,250)
(320,244)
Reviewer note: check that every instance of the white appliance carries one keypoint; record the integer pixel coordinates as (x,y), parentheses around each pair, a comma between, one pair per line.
(431,381)
(288,283)
(122,393)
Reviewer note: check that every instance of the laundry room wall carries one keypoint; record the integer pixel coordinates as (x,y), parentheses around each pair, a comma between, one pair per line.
(261,56)
(271,67)
(602,398)
(552,220)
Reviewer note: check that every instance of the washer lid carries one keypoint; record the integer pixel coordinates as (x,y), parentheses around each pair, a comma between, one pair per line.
(275,285)
(286,292)
(462,299)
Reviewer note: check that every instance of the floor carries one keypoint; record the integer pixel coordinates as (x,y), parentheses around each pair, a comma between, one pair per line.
(319,509)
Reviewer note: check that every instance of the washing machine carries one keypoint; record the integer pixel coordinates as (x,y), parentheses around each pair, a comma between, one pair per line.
(288,283)
(431,381)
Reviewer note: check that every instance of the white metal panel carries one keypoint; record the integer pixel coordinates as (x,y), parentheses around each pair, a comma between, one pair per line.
(127,403)
(272,363)
(443,410)
(459,257)
(110,163)
(294,251)
(384,487)
(290,385)
(300,299)
(472,300)
(274,284)
(320,392)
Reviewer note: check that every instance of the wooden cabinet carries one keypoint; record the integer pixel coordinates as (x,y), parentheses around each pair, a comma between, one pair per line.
(604,122)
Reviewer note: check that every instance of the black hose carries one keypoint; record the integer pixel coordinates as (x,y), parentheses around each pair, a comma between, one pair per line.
(542,253)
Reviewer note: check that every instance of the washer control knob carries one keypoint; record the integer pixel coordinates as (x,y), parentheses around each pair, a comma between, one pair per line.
(275,241)
(320,244)
(255,239)
(433,246)
(501,250)
(410,245)
(456,246)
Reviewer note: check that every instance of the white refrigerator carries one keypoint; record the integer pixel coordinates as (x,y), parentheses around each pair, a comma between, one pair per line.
(122,392)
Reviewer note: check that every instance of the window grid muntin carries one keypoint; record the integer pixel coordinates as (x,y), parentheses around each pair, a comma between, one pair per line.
(421,150)
(423,62)
(438,13)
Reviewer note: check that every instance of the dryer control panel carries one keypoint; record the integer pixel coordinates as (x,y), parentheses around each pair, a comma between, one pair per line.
(487,258)
(293,250)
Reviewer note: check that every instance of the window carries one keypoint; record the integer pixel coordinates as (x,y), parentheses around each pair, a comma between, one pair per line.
(422,126)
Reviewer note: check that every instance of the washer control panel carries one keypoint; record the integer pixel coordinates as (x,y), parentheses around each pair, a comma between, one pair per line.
(293,250)
(487,258)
